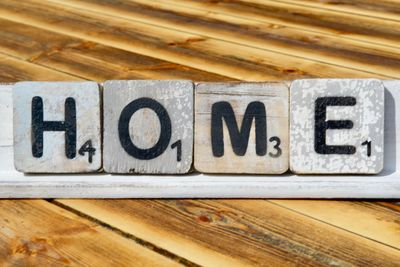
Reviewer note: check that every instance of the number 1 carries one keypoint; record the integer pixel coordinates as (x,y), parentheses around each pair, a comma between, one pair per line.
(368,144)
(178,145)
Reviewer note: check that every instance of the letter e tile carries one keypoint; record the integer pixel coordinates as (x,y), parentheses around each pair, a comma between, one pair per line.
(336,126)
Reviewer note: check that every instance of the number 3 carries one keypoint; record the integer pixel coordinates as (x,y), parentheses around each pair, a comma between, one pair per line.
(276,147)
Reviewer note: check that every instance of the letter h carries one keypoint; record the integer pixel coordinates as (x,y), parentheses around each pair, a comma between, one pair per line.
(39,126)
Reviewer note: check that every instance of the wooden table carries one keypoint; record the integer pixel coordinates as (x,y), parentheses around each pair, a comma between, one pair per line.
(204,41)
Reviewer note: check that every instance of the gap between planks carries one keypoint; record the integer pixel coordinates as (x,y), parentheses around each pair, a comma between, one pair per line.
(141,242)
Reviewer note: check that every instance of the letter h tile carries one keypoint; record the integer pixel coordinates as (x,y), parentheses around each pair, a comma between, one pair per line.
(57,127)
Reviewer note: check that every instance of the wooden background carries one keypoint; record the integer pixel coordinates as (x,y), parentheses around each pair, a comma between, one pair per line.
(202,40)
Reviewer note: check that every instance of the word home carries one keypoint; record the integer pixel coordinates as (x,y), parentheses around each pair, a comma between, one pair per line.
(312,126)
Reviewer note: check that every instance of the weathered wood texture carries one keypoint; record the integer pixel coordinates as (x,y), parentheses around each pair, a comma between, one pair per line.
(184,47)
(203,41)
(38,233)
(227,140)
(247,232)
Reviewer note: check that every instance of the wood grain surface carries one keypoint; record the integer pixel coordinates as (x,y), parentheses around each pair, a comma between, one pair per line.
(38,233)
(203,41)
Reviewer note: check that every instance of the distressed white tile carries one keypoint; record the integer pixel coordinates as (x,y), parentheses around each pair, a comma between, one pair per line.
(240,96)
(85,97)
(365,109)
(144,130)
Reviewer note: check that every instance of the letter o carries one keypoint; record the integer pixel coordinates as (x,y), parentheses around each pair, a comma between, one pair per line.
(123,129)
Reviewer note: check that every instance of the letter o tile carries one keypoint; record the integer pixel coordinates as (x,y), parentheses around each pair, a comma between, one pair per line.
(148,126)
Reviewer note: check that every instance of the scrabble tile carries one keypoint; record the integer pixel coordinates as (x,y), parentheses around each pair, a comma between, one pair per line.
(57,127)
(336,126)
(148,126)
(241,128)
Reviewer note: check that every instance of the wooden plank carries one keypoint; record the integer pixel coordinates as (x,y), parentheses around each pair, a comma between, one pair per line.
(13,70)
(383,9)
(193,50)
(326,49)
(87,59)
(393,205)
(367,219)
(203,231)
(38,233)
(313,20)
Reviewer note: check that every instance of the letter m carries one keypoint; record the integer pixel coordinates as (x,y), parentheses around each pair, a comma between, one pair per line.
(239,138)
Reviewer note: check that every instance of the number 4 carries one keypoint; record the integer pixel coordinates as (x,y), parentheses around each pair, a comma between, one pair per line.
(87,148)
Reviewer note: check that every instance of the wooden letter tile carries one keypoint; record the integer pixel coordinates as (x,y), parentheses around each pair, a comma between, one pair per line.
(57,127)
(336,126)
(242,128)
(148,126)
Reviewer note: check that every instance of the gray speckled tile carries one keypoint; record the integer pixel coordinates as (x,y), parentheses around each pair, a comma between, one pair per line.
(52,154)
(359,103)
(144,121)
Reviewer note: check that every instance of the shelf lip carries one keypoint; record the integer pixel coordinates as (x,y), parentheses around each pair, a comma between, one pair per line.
(17,185)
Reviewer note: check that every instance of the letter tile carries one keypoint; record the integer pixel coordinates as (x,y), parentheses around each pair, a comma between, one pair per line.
(57,127)
(336,126)
(242,128)
(148,126)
